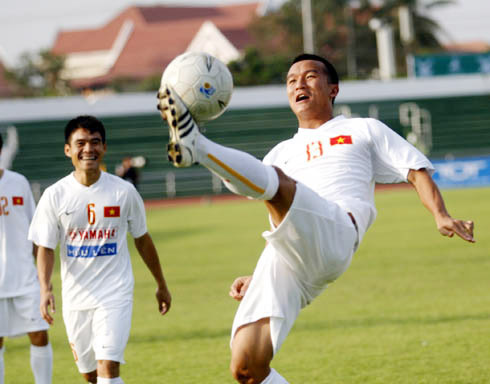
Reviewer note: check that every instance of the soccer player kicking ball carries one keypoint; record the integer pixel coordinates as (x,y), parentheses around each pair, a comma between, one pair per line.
(19,287)
(89,212)
(318,188)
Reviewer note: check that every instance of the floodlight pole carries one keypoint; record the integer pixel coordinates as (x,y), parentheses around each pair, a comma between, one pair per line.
(386,48)
(308,42)
(407,36)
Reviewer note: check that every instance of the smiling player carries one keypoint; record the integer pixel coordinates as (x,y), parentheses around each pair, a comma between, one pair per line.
(89,213)
(318,188)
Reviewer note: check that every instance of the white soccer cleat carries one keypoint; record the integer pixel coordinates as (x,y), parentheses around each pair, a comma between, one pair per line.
(183,130)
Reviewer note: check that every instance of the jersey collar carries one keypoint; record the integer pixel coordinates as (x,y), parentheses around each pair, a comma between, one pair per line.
(305,132)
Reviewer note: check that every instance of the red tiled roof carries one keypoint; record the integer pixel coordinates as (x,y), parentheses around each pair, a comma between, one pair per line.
(161,14)
(160,33)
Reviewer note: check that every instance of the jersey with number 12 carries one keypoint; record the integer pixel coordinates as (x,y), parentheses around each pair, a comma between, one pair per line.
(17,271)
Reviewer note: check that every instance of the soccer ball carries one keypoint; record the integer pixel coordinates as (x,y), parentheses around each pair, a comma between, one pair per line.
(203,83)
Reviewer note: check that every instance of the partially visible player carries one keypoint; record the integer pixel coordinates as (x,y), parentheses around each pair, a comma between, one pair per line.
(89,213)
(19,287)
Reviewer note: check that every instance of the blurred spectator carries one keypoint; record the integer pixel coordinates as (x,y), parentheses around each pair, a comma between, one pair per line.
(128,171)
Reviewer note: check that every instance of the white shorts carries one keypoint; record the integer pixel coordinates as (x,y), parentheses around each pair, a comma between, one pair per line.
(98,334)
(311,247)
(20,315)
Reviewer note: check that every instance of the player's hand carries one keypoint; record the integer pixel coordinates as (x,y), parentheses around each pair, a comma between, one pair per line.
(449,227)
(47,304)
(164,299)
(239,287)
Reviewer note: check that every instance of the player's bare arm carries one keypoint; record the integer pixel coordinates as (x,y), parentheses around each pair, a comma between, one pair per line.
(45,265)
(432,199)
(146,249)
(239,287)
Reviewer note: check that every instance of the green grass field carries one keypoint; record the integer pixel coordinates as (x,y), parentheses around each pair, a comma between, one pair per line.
(414,307)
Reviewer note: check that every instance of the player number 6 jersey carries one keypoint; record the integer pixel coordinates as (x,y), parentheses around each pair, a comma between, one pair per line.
(90,225)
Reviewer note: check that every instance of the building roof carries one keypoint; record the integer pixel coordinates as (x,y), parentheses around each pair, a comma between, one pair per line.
(159,34)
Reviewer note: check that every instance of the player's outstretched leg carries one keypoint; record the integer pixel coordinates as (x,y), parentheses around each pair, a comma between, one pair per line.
(182,128)
(242,173)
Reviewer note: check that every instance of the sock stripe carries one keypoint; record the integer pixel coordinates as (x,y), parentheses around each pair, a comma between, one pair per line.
(184,116)
(234,173)
(184,124)
(184,134)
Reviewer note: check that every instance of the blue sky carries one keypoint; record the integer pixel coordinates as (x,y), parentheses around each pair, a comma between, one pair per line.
(30,25)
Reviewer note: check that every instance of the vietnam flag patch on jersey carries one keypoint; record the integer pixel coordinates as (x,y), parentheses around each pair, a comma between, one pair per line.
(113,211)
(341,140)
(17,200)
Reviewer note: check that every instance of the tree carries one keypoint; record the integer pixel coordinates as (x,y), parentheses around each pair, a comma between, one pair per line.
(256,68)
(425,28)
(38,75)
(342,34)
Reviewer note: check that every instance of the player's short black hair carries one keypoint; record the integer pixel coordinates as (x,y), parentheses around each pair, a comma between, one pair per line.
(332,75)
(1,142)
(90,123)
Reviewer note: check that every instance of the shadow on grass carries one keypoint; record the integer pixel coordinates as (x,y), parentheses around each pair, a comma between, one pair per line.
(384,321)
(176,234)
(199,334)
(182,335)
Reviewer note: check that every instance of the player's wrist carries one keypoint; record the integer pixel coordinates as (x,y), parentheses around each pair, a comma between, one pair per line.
(46,287)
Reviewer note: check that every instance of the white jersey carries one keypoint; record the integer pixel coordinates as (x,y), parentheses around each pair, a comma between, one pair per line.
(90,224)
(344,158)
(17,270)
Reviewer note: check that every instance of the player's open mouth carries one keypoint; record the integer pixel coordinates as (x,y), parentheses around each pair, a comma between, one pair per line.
(301,97)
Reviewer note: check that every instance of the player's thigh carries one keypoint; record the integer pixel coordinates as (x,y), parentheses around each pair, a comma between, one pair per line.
(316,239)
(111,331)
(78,324)
(252,345)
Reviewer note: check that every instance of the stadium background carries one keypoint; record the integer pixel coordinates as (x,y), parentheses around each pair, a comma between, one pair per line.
(258,117)
(412,308)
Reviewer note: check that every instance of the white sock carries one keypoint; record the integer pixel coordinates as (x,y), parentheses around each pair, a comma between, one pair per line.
(104,380)
(242,173)
(2,372)
(42,363)
(274,378)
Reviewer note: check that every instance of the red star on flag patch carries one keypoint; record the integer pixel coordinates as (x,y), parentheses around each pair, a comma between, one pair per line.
(17,200)
(112,211)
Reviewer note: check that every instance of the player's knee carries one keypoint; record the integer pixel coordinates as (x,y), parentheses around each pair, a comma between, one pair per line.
(246,372)
(90,377)
(286,190)
(279,205)
(108,368)
(39,338)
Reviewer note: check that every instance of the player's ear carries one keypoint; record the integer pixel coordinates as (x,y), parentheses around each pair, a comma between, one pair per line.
(67,150)
(334,90)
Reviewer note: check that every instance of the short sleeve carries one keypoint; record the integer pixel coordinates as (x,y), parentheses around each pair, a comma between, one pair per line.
(137,216)
(45,230)
(29,202)
(393,156)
